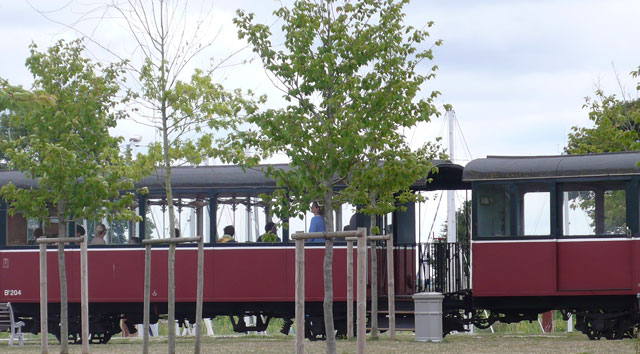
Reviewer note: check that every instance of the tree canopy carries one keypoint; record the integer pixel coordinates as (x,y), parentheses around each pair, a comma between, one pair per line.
(352,73)
(66,147)
(616,127)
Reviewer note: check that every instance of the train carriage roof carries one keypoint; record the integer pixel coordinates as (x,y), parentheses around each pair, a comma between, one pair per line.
(449,176)
(562,166)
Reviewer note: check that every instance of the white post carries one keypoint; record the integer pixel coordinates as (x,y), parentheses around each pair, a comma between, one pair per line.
(451,194)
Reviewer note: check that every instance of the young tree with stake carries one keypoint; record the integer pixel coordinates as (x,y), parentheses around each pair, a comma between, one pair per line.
(350,70)
(67,148)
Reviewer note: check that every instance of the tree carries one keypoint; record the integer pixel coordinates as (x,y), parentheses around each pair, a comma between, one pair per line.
(616,127)
(67,148)
(186,113)
(349,71)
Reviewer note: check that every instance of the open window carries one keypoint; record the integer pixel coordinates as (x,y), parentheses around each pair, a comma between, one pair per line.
(250,219)
(591,209)
(191,216)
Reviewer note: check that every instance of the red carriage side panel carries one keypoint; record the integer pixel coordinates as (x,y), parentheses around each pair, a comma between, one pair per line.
(232,274)
(246,274)
(502,268)
(598,264)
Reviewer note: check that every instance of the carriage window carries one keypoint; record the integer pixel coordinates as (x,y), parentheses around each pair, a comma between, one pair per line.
(594,211)
(493,211)
(536,211)
(22,231)
(118,232)
(191,217)
(250,218)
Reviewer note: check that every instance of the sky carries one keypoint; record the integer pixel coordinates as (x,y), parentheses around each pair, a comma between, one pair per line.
(516,72)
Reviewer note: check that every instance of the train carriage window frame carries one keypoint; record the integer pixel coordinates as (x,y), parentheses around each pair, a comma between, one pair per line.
(493,203)
(596,203)
(508,203)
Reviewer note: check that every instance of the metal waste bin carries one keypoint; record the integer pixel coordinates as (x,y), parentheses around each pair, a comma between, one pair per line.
(428,316)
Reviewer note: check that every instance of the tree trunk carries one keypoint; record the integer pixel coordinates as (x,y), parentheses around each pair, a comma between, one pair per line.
(62,270)
(374,281)
(328,275)
(172,232)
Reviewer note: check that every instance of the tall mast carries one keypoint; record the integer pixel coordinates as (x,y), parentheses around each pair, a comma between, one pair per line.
(451,194)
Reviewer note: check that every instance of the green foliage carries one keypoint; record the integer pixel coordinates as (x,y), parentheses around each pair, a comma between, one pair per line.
(16,99)
(350,71)
(616,127)
(66,147)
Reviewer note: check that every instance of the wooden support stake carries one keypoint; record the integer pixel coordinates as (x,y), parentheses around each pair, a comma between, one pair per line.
(84,296)
(147,299)
(300,296)
(349,290)
(362,290)
(44,332)
(64,312)
(391,290)
(200,289)
(171,306)
(374,290)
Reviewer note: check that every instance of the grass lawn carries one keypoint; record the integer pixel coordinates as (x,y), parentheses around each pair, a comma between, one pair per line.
(457,343)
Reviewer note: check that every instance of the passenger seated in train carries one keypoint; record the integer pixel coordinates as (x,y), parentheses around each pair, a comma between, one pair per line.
(270,235)
(229,231)
(36,234)
(98,239)
(79,231)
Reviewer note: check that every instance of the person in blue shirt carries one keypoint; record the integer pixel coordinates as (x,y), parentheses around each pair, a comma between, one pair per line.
(317,222)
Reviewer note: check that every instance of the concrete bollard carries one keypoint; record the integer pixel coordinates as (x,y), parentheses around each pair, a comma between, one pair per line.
(428,316)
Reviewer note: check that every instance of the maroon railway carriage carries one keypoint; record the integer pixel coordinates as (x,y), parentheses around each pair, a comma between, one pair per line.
(242,278)
(557,232)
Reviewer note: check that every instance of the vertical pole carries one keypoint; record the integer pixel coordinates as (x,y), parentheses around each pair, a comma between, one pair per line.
(452,235)
(300,297)
(147,299)
(391,296)
(44,332)
(172,299)
(64,312)
(362,290)
(374,290)
(84,295)
(198,323)
(349,289)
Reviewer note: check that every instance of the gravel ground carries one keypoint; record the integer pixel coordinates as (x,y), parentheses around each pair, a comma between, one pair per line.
(459,343)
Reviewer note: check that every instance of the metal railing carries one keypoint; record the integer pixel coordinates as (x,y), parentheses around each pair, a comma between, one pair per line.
(443,267)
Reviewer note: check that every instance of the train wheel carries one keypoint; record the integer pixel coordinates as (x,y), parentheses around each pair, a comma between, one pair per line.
(100,338)
(602,324)
(314,328)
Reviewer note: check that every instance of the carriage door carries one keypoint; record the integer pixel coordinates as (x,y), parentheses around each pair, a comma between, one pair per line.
(594,252)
